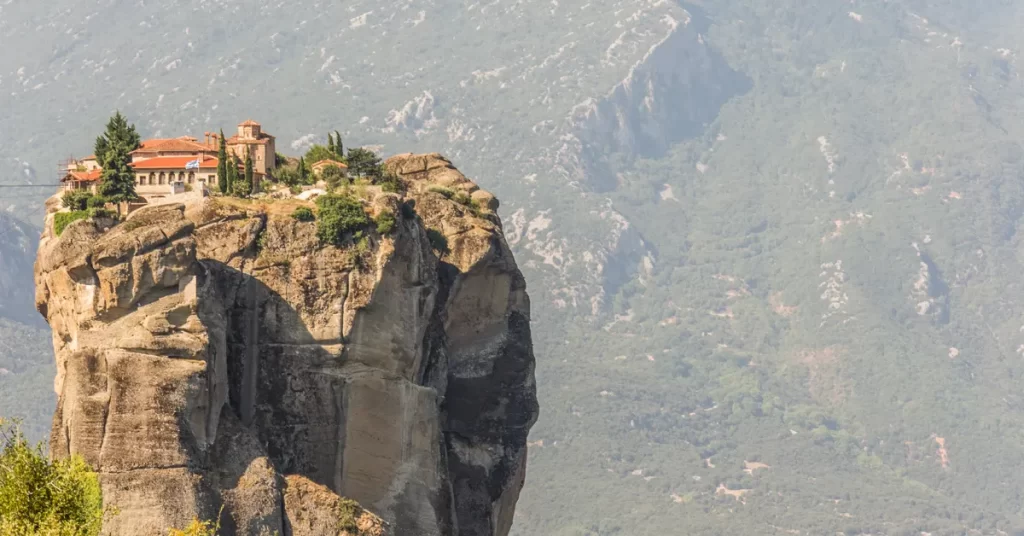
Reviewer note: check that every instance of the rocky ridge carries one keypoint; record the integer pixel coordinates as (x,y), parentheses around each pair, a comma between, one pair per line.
(212,356)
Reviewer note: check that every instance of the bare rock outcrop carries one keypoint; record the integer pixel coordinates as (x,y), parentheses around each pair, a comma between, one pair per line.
(216,357)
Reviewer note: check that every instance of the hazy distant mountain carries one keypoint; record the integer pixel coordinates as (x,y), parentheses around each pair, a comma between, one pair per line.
(18,241)
(772,247)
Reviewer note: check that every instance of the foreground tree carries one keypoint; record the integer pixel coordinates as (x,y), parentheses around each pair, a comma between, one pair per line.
(43,497)
(113,153)
(330,143)
(222,166)
(339,149)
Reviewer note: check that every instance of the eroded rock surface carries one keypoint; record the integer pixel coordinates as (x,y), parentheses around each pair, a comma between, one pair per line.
(216,355)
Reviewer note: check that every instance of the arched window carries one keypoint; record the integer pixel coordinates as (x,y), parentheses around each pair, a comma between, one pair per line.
(152,178)
(161,178)
(191,177)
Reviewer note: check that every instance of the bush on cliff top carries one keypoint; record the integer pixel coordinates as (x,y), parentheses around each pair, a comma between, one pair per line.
(43,497)
(62,219)
(303,214)
(339,216)
(385,222)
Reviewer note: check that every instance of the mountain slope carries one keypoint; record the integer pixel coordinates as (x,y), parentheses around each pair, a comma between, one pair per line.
(775,234)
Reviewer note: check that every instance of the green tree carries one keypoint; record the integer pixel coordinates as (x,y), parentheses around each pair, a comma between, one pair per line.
(339,216)
(43,497)
(303,172)
(222,165)
(248,167)
(339,149)
(363,162)
(317,153)
(76,199)
(333,176)
(330,143)
(113,153)
(232,172)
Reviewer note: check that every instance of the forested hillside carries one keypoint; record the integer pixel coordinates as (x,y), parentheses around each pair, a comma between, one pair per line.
(772,246)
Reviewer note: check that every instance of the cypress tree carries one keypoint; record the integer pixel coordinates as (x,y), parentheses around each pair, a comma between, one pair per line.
(338,149)
(248,171)
(302,169)
(222,166)
(113,153)
(330,143)
(232,172)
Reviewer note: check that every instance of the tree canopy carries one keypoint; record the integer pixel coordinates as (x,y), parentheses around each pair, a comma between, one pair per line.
(113,153)
(316,153)
(363,162)
(43,497)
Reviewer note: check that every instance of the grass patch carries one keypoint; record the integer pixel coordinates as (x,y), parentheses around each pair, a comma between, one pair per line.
(61,220)
(386,222)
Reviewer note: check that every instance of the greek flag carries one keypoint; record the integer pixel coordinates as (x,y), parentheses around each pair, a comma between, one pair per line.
(193,164)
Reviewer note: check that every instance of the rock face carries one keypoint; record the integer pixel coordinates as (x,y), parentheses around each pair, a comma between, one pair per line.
(216,355)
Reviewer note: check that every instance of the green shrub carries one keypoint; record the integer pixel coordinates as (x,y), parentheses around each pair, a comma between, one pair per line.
(338,216)
(241,187)
(76,199)
(295,189)
(200,528)
(438,242)
(96,201)
(304,214)
(62,219)
(348,515)
(100,213)
(333,176)
(40,497)
(385,222)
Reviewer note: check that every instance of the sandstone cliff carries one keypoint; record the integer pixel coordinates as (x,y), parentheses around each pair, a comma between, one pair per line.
(216,355)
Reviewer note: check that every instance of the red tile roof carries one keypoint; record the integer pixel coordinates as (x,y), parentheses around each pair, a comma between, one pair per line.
(176,163)
(249,123)
(151,142)
(172,145)
(83,176)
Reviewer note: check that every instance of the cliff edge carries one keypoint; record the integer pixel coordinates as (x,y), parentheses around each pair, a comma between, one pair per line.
(216,355)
